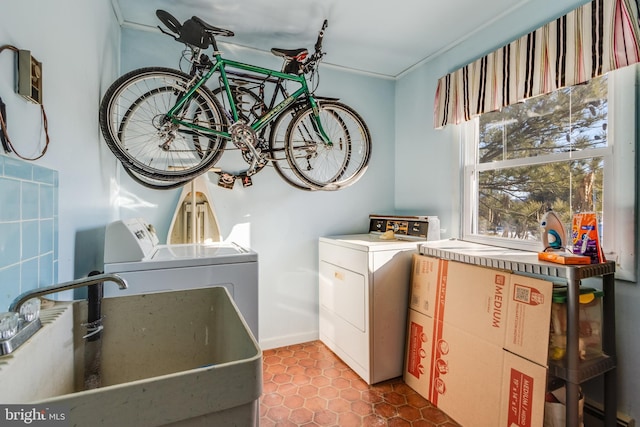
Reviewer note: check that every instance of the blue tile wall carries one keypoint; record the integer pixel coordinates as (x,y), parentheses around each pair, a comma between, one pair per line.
(28,228)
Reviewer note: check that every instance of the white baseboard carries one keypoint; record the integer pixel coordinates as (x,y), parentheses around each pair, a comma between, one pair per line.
(269,343)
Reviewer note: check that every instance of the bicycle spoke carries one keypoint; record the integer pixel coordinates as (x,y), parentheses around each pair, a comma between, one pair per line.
(280,155)
(136,128)
(329,166)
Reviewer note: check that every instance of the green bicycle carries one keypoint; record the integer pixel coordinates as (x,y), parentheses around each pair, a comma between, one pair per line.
(167,126)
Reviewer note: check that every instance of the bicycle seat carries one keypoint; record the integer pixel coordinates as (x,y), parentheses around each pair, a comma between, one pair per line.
(216,31)
(193,31)
(289,54)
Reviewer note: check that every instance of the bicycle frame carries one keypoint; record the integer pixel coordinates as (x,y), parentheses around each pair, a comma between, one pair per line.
(220,65)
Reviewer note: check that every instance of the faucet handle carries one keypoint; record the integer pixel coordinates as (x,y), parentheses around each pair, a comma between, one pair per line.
(8,325)
(30,310)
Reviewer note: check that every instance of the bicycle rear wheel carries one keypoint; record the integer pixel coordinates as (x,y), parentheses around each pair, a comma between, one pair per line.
(155,184)
(135,126)
(325,166)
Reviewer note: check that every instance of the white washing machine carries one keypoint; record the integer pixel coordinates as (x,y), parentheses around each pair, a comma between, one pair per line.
(364,291)
(132,251)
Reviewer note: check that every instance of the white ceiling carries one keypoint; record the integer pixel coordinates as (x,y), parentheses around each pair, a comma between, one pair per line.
(384,37)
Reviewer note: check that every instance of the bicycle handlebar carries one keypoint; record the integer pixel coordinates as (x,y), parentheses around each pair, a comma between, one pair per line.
(314,59)
(318,45)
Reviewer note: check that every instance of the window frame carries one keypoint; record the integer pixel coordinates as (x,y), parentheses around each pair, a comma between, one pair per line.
(619,207)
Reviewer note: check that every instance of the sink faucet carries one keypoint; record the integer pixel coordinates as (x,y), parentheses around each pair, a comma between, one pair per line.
(87,281)
(26,329)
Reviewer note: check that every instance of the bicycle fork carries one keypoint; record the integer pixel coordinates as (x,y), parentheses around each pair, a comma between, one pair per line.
(317,125)
(313,131)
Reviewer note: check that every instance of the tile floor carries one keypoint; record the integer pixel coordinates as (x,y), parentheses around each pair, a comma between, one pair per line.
(308,385)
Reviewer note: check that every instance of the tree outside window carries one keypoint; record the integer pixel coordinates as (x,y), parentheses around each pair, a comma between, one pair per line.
(544,153)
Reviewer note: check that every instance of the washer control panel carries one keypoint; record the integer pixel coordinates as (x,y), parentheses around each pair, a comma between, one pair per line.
(129,240)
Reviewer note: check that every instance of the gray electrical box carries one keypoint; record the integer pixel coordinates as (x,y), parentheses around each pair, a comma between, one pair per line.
(29,77)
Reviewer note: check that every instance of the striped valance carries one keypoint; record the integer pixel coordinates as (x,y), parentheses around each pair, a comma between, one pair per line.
(589,41)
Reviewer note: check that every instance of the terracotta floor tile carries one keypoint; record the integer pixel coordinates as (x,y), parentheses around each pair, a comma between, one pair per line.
(399,422)
(325,417)
(349,419)
(395,398)
(315,404)
(339,405)
(295,370)
(409,413)
(320,381)
(328,392)
(307,385)
(301,416)
(294,401)
(385,410)
(272,399)
(371,421)
(361,408)
(308,391)
(351,394)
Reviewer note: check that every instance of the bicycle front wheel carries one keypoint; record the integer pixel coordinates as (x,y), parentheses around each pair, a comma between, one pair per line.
(328,166)
(278,152)
(137,130)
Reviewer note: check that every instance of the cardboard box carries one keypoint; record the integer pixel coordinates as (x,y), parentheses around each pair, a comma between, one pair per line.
(506,309)
(417,366)
(528,318)
(424,278)
(456,371)
(478,340)
(523,392)
(469,297)
(470,378)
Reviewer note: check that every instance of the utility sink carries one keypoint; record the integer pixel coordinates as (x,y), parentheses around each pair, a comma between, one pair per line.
(169,358)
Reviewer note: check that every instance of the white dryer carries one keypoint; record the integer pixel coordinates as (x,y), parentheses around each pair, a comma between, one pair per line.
(364,291)
(132,251)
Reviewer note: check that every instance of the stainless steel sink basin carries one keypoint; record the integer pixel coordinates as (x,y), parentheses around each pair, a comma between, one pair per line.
(180,358)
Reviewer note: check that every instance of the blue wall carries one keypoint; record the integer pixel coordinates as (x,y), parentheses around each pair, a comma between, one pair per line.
(78,45)
(28,228)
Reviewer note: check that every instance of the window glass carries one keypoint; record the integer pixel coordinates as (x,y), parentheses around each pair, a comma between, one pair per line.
(512,200)
(555,151)
(569,119)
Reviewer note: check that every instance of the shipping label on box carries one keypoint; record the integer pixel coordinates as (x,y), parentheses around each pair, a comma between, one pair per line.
(528,318)
(523,392)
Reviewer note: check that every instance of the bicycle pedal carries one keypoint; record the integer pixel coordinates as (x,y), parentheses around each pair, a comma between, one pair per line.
(246,181)
(226,180)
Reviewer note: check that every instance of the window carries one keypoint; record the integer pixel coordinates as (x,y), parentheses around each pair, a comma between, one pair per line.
(572,150)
